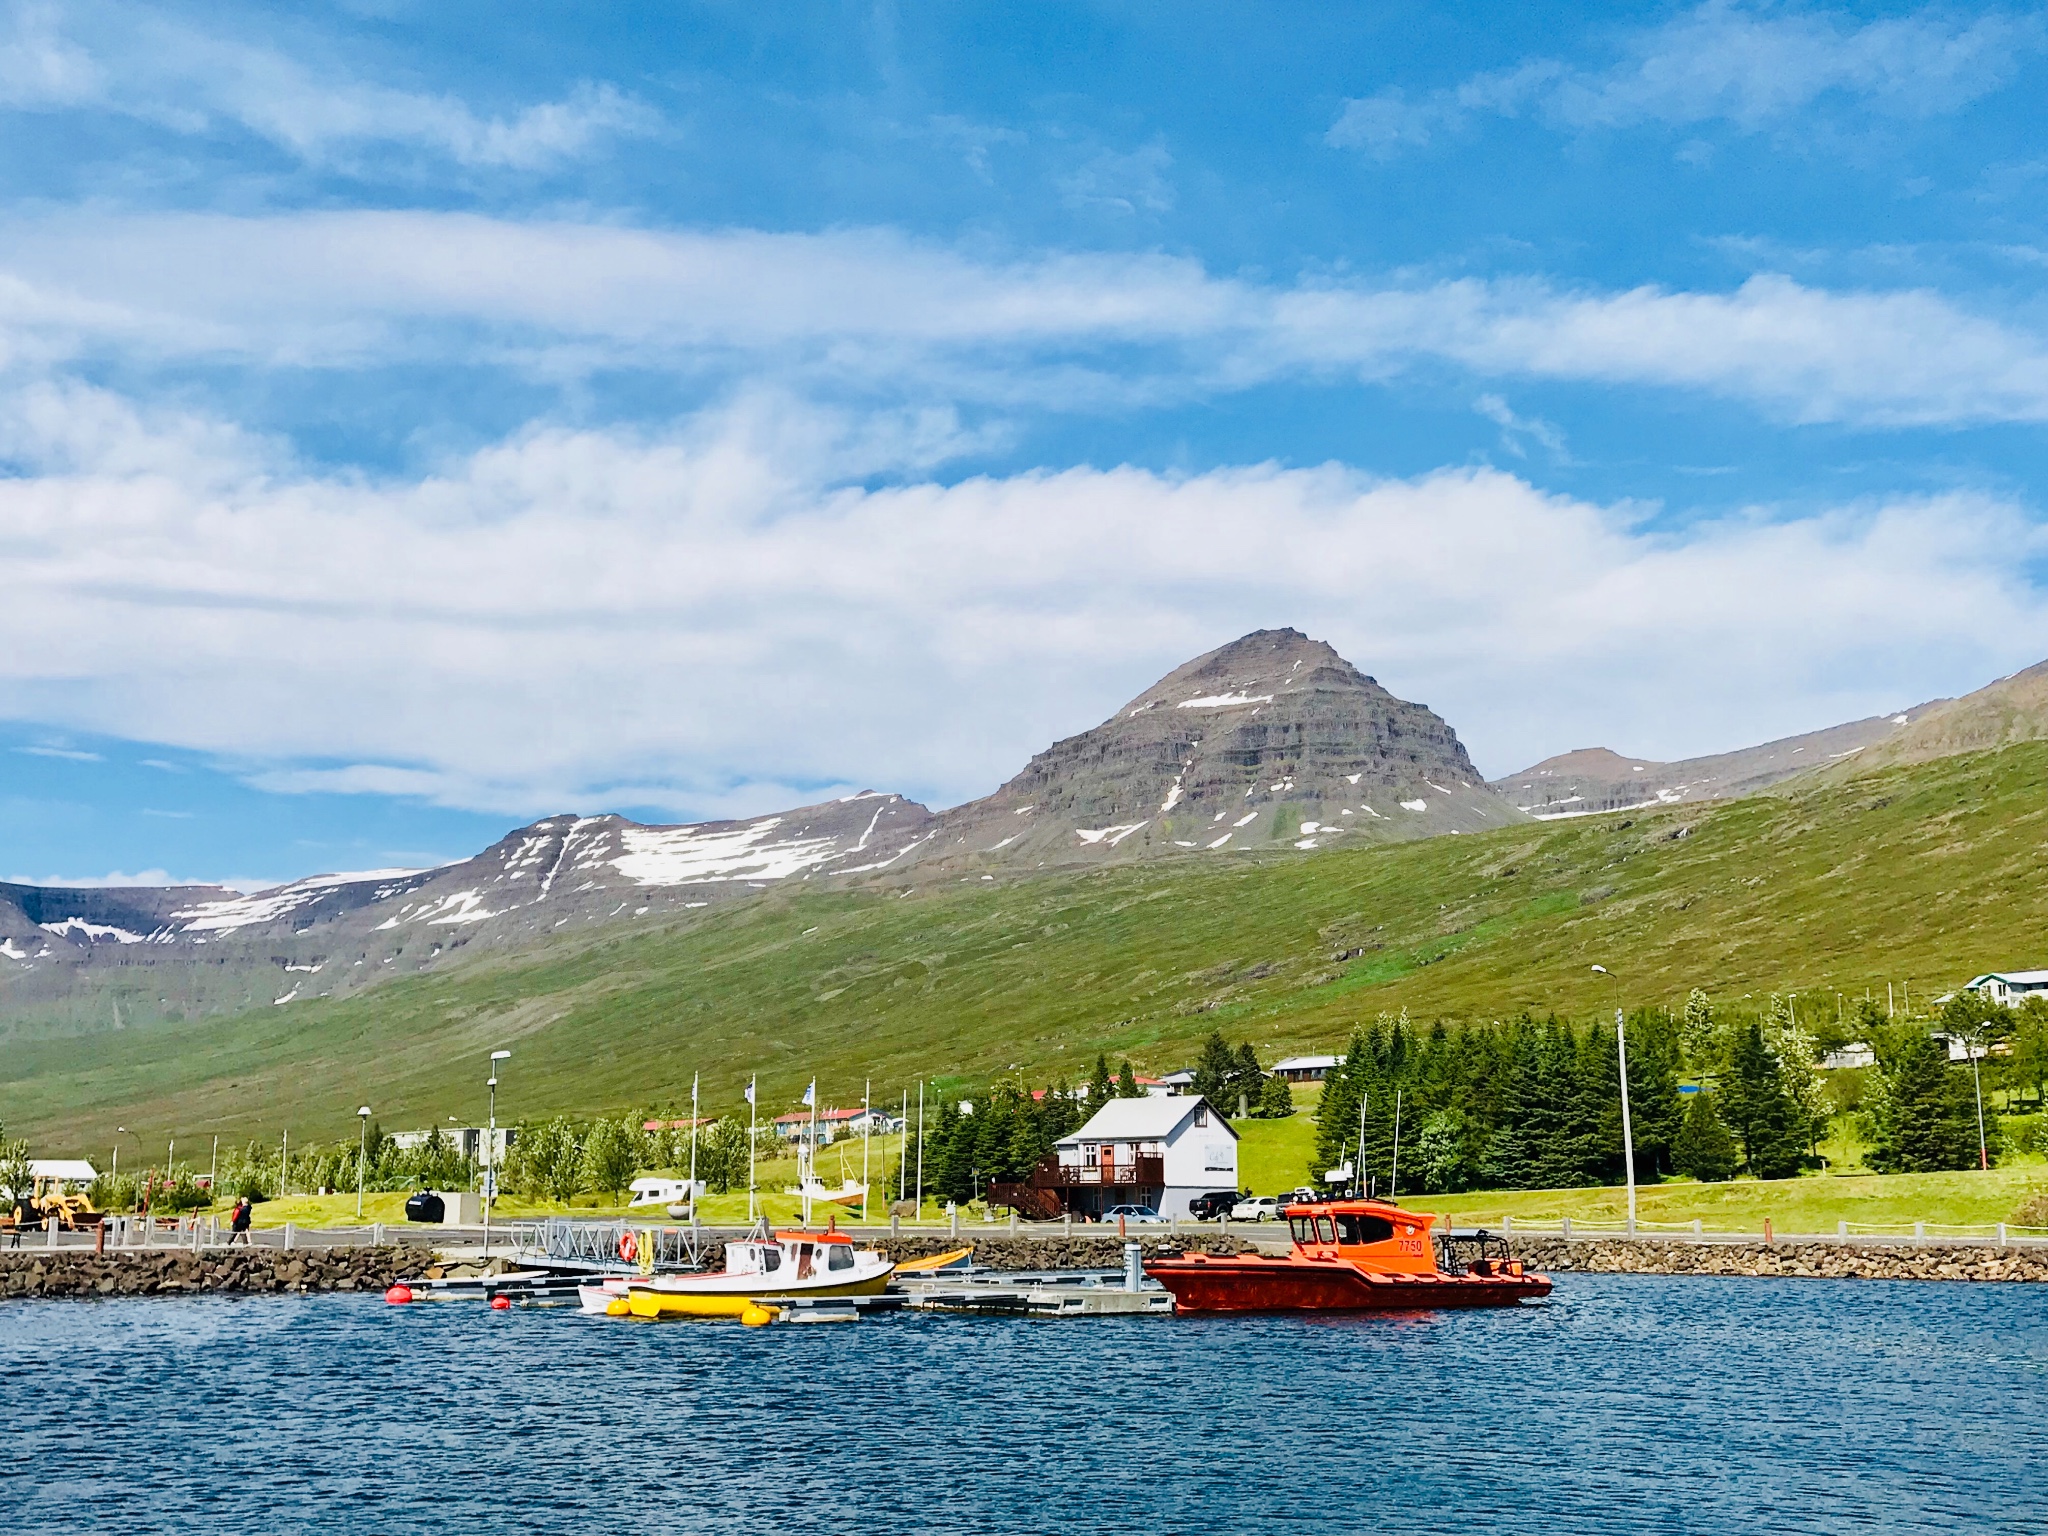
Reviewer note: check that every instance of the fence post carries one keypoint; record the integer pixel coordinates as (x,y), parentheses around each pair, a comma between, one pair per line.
(290,1231)
(1696,1226)
(1013,1221)
(1067,1224)
(377,1234)
(1565,1225)
(895,1223)
(2001,1234)
(1919,1229)
(953,1218)
(1507,1225)
(49,1231)
(1767,1231)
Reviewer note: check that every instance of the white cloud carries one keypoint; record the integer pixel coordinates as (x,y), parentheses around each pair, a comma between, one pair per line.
(875,313)
(69,754)
(720,621)
(137,62)
(1748,66)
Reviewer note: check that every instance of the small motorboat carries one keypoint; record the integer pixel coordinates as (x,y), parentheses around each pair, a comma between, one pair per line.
(798,1263)
(1354,1256)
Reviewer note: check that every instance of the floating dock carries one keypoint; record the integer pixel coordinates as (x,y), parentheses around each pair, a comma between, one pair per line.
(1048,1293)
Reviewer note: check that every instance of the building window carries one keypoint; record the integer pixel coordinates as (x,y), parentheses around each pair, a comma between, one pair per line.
(1201,1114)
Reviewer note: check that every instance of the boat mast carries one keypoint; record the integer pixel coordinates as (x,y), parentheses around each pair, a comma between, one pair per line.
(753,1134)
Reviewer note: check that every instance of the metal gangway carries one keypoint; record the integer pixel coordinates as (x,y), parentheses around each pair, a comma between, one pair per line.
(603,1245)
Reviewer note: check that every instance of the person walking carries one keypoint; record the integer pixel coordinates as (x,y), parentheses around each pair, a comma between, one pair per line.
(238,1224)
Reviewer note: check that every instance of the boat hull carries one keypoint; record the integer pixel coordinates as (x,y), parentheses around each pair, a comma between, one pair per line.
(1286,1285)
(727,1300)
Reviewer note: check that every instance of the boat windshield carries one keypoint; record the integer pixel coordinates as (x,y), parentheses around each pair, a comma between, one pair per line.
(842,1257)
(1363,1229)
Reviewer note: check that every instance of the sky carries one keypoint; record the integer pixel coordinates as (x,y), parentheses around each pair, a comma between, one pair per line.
(419,419)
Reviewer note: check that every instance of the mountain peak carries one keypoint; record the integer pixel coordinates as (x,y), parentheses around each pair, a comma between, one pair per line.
(1273,738)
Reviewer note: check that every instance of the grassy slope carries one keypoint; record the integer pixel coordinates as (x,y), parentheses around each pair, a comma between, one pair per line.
(1922,875)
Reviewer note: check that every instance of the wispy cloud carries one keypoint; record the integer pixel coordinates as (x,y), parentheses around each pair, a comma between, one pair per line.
(882,316)
(68,754)
(137,62)
(1749,66)
(724,619)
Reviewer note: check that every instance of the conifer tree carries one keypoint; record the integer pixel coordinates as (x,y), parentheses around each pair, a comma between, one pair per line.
(1696,1037)
(1703,1149)
(1215,1072)
(1101,1086)
(1763,1116)
(1248,1081)
(1276,1099)
(1127,1083)
(1923,1114)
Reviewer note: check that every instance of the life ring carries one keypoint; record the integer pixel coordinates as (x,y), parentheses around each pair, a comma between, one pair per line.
(629,1247)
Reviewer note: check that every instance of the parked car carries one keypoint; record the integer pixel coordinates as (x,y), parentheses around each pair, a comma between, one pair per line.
(1257,1208)
(1217,1202)
(1132,1213)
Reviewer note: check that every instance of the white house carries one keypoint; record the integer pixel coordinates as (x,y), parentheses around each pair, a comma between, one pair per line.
(1856,1053)
(2010,986)
(1306,1069)
(1160,1152)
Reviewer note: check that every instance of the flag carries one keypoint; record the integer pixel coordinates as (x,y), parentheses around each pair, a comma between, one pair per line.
(811,1093)
(750,1090)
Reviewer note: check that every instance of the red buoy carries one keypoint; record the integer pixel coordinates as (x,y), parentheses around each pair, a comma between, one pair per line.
(501,1303)
(399,1294)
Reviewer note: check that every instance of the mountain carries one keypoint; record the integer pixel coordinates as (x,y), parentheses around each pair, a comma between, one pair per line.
(1273,740)
(1920,876)
(2013,709)
(72,958)
(1594,779)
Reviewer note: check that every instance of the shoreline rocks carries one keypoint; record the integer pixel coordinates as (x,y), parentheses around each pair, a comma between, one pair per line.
(172,1272)
(1816,1261)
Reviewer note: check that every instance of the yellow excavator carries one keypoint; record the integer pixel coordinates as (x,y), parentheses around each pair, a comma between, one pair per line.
(73,1211)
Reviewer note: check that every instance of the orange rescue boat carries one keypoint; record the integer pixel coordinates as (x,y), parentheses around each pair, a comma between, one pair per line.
(1354,1256)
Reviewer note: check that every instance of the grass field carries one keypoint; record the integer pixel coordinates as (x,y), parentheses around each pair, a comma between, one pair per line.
(1921,876)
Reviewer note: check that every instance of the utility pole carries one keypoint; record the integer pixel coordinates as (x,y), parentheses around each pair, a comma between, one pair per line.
(1628,1141)
(867,1128)
(693,1149)
(362,1154)
(920,1149)
(490,1179)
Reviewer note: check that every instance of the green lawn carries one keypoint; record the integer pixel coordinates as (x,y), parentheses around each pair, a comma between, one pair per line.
(1919,876)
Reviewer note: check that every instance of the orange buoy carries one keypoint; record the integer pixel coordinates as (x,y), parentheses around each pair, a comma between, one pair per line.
(399,1294)
(501,1303)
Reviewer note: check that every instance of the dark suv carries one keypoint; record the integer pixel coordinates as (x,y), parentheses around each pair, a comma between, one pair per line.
(1216,1203)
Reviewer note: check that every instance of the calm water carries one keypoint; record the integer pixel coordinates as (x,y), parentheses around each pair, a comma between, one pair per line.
(1621,1405)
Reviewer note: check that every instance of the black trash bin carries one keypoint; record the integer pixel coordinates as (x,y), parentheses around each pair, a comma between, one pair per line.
(425,1206)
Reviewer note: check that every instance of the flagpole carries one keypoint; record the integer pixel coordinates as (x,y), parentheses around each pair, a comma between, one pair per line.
(902,1158)
(807,1183)
(693,1149)
(753,1130)
(920,1151)
(867,1131)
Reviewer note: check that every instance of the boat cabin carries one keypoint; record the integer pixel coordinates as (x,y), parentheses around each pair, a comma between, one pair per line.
(1373,1233)
(790,1255)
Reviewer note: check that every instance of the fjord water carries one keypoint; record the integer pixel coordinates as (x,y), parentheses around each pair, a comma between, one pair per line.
(1624,1404)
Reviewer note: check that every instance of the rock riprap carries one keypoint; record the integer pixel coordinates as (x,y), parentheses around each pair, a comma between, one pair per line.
(1818,1261)
(165,1272)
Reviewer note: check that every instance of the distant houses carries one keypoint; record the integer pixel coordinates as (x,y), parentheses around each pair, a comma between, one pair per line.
(834,1123)
(1306,1069)
(2009,986)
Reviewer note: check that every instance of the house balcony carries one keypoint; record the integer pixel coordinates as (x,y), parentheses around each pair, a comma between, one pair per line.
(1053,1174)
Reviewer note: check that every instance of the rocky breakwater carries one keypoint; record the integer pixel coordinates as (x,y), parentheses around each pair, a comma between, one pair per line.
(1035,1253)
(179,1272)
(1818,1261)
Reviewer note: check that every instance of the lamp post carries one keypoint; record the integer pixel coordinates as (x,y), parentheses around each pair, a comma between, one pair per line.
(1976,1051)
(490,1172)
(1628,1140)
(362,1155)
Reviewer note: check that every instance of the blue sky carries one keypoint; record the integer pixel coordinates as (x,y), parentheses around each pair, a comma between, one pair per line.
(415,420)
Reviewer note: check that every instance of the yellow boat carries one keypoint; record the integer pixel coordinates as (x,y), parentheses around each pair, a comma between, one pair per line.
(796,1263)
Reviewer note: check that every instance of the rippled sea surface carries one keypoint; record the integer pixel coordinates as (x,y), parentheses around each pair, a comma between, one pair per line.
(1623,1404)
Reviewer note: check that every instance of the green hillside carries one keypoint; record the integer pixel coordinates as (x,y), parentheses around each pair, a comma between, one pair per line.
(1920,875)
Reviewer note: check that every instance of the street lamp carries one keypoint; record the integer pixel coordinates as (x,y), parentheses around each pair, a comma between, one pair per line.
(362,1153)
(490,1175)
(1976,1073)
(1628,1140)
